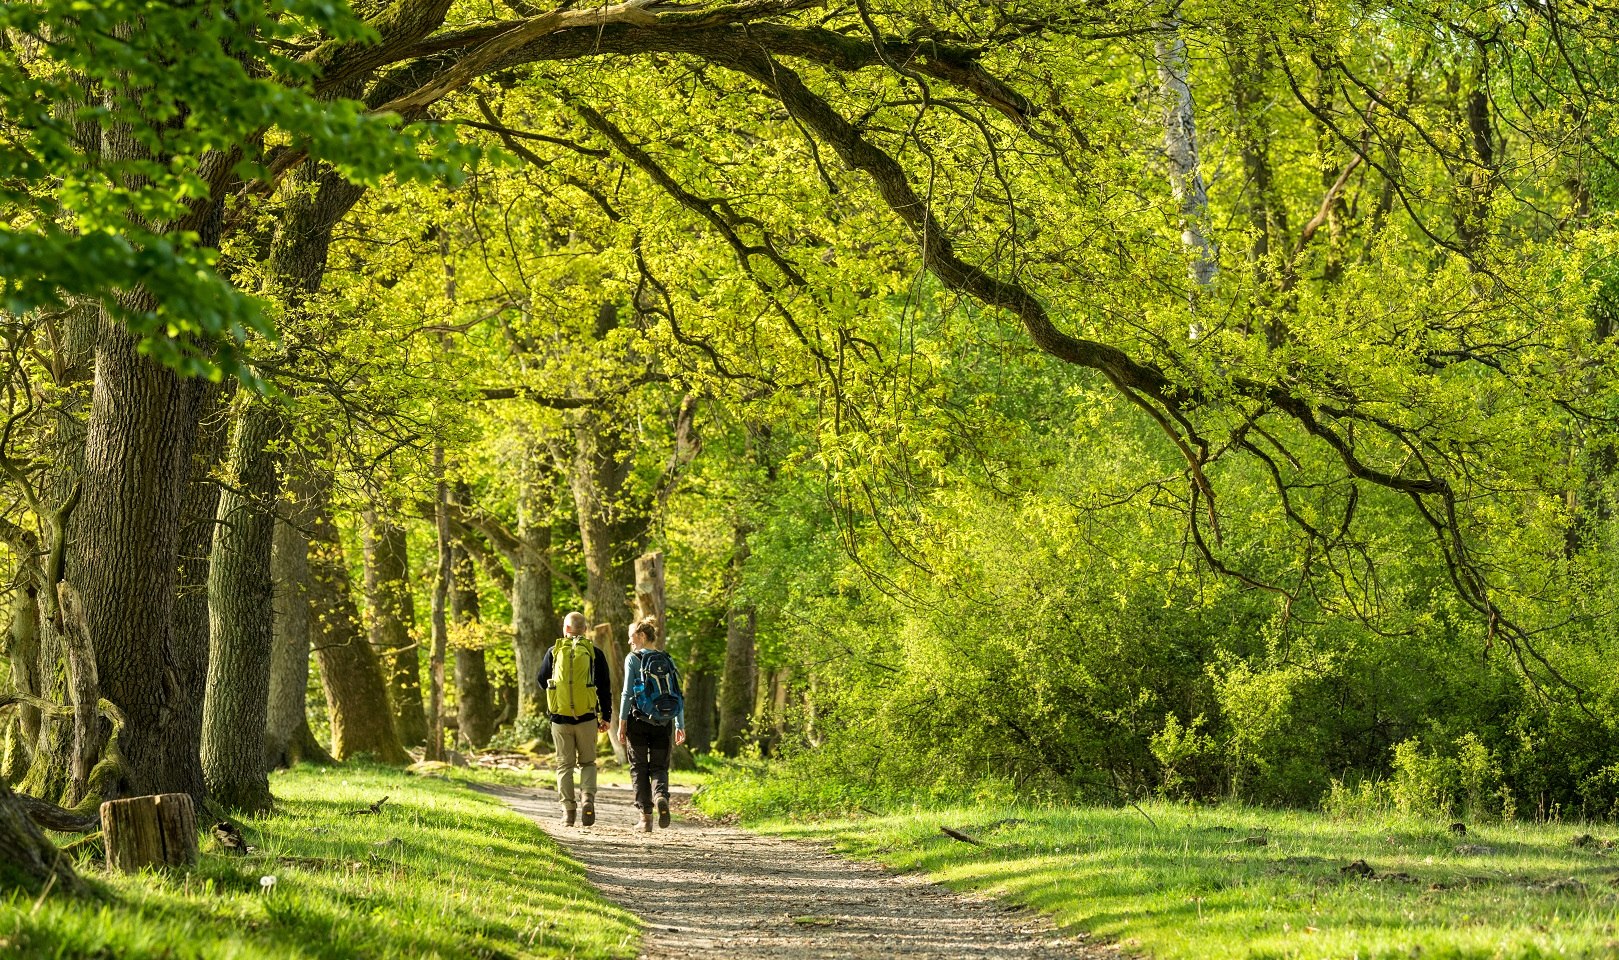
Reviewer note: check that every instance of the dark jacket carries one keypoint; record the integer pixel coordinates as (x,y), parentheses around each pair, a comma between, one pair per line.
(599,675)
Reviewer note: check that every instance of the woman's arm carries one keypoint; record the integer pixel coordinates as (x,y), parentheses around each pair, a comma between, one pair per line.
(632,676)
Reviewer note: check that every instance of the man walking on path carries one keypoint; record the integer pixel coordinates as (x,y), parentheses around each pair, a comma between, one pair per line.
(578,695)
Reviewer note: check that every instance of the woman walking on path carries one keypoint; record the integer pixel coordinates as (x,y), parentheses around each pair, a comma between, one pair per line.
(651,709)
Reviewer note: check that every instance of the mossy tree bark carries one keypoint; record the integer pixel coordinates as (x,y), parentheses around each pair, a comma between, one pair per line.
(393,616)
(139,444)
(362,721)
(530,585)
(241,616)
(611,526)
(535,624)
(28,860)
(287,737)
(475,702)
(740,681)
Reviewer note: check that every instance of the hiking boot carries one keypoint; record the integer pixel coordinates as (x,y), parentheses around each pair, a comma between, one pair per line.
(588,815)
(568,814)
(663,811)
(646,823)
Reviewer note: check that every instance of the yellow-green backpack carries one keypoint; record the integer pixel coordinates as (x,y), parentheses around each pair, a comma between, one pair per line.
(571,691)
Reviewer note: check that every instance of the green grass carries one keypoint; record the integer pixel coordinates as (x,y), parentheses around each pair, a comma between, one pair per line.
(442,872)
(1192,888)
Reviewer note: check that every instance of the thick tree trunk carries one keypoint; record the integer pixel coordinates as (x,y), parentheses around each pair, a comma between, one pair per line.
(739,686)
(287,737)
(138,457)
(29,861)
(241,609)
(608,531)
(393,616)
(350,675)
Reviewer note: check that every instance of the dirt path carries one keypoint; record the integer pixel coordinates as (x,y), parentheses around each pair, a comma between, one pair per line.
(719,892)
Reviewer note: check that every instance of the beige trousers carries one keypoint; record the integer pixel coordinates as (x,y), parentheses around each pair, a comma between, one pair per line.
(576,747)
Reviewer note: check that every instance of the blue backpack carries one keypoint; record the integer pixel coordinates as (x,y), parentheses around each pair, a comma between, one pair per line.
(657,694)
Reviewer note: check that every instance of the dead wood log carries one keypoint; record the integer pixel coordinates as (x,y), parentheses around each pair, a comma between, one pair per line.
(374,808)
(958,835)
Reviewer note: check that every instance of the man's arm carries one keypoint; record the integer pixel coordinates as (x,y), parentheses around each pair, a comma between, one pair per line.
(545,669)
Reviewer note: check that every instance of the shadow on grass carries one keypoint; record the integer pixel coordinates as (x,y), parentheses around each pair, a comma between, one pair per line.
(1196,886)
(441,872)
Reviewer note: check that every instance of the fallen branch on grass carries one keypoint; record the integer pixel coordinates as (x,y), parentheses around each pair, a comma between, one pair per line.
(375,808)
(958,835)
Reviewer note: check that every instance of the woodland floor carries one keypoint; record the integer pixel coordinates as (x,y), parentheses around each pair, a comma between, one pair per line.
(702,889)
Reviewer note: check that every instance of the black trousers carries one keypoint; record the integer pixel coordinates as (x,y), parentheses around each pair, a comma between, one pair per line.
(649,761)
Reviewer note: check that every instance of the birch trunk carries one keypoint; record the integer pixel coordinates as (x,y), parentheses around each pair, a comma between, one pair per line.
(1180,147)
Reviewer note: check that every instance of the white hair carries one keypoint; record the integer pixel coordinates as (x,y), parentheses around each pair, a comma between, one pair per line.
(575,624)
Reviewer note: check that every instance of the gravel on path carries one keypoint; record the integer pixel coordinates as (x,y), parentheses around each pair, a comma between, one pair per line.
(720,893)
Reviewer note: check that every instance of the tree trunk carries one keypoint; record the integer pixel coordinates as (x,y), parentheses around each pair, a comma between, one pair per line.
(138,458)
(608,531)
(1180,145)
(780,684)
(25,673)
(607,642)
(701,706)
(191,615)
(475,705)
(287,737)
(393,616)
(440,620)
(649,594)
(316,199)
(350,675)
(29,861)
(535,624)
(740,681)
(241,609)
(739,686)
(475,698)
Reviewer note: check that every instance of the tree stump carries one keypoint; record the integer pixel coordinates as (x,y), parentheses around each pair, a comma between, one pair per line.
(649,593)
(158,830)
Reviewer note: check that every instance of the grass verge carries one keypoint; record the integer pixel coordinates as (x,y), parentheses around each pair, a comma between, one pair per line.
(1200,883)
(441,872)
